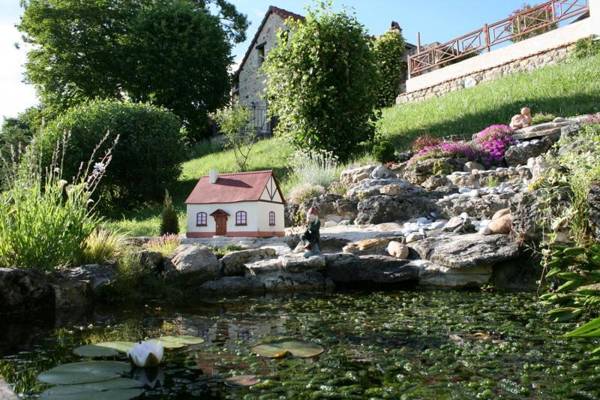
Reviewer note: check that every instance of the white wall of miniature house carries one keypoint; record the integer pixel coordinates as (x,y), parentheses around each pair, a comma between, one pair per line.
(257,216)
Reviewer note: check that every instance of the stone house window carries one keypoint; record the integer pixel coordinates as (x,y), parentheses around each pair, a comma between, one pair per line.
(241,218)
(201,219)
(271,218)
(260,50)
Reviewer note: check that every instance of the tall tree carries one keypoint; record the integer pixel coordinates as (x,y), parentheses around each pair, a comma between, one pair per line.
(389,50)
(173,53)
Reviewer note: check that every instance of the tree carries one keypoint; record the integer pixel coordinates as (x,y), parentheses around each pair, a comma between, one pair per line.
(234,124)
(389,51)
(169,224)
(172,53)
(322,83)
(146,159)
(539,19)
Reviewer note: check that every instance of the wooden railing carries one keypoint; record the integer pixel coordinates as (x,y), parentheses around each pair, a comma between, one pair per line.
(539,18)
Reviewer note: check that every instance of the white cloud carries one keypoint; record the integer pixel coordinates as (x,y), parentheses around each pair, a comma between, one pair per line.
(15,96)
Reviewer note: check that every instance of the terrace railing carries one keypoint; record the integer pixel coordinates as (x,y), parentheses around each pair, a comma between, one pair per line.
(537,19)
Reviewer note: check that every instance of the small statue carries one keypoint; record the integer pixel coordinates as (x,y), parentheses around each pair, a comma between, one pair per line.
(311,238)
(522,120)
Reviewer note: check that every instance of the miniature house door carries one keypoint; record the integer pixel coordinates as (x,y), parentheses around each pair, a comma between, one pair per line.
(220,217)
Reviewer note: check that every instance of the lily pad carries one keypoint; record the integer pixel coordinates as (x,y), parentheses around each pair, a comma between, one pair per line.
(282,348)
(177,342)
(114,389)
(95,351)
(84,372)
(242,380)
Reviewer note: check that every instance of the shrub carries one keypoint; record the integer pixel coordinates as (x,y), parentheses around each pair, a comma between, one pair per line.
(587,47)
(304,192)
(524,22)
(240,137)
(448,149)
(316,168)
(146,160)
(101,247)
(165,244)
(384,151)
(494,141)
(425,141)
(44,220)
(169,223)
(322,83)
(389,50)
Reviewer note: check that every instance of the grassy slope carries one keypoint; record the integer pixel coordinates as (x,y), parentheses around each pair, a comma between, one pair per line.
(565,89)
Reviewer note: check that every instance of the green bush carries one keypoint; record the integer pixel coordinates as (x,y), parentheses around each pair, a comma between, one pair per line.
(169,224)
(384,151)
(322,83)
(389,51)
(146,159)
(588,47)
(240,137)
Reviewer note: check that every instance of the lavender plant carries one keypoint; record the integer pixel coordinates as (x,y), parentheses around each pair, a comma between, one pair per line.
(494,141)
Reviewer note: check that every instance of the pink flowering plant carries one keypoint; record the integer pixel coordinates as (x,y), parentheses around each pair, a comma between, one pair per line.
(493,142)
(448,149)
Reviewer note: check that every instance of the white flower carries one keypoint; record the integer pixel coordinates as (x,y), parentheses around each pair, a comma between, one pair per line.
(99,168)
(146,354)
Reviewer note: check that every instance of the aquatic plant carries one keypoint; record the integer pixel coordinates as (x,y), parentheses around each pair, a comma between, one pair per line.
(146,354)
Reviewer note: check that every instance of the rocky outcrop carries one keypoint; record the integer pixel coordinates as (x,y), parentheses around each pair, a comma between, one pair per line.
(369,246)
(409,205)
(233,264)
(491,177)
(97,275)
(355,175)
(419,171)
(352,269)
(520,153)
(267,283)
(467,251)
(5,392)
(197,259)
(24,291)
(479,203)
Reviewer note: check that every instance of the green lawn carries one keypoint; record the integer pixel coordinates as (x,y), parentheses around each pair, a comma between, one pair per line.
(566,89)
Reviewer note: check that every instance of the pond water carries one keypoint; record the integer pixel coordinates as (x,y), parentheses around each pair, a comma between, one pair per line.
(391,345)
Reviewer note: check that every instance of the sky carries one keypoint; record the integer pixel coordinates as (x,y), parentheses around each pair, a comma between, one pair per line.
(437,20)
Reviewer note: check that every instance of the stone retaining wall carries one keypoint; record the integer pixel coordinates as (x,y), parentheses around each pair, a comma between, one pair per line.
(530,63)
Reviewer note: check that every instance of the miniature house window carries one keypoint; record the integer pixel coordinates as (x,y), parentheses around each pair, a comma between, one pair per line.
(271,218)
(241,218)
(201,219)
(261,53)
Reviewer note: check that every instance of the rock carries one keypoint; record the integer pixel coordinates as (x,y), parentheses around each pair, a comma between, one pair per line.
(519,154)
(593,201)
(368,246)
(501,225)
(435,182)
(355,175)
(294,263)
(263,267)
(197,259)
(467,251)
(329,224)
(232,264)
(73,295)
(392,190)
(460,224)
(278,282)
(96,274)
(538,167)
(542,130)
(151,260)
(24,291)
(349,268)
(332,244)
(434,275)
(501,213)
(380,209)
(5,391)
(233,285)
(477,207)
(381,172)
(398,250)
(372,187)
(414,237)
(417,172)
(473,166)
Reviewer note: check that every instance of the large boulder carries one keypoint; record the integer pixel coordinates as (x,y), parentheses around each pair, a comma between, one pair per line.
(520,153)
(200,260)
(419,171)
(380,209)
(431,274)
(331,207)
(280,282)
(467,251)
(369,246)
(351,269)
(24,291)
(476,203)
(98,275)
(593,201)
(5,392)
(232,264)
(73,295)
(355,175)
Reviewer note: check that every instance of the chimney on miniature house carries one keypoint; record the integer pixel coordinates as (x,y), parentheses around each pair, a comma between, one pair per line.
(213,175)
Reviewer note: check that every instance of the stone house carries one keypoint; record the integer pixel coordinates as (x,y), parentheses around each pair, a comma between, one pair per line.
(249,82)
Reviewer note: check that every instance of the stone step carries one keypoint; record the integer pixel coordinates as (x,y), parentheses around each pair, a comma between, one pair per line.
(291,263)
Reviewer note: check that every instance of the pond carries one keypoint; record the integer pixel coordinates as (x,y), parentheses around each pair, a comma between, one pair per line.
(390,345)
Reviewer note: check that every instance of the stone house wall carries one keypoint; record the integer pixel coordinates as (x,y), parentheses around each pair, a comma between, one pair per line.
(530,63)
(251,80)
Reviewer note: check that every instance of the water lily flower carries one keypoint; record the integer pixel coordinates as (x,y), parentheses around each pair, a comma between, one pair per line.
(146,354)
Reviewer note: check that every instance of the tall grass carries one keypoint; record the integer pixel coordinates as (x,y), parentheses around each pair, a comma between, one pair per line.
(44,220)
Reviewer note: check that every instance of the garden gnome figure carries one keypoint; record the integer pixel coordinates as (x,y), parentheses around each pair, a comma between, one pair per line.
(311,237)
(522,120)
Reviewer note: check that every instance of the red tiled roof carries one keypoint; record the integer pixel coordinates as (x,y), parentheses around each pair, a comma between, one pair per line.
(231,188)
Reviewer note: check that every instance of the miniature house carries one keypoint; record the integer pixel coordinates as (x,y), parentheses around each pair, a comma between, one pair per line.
(246,204)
